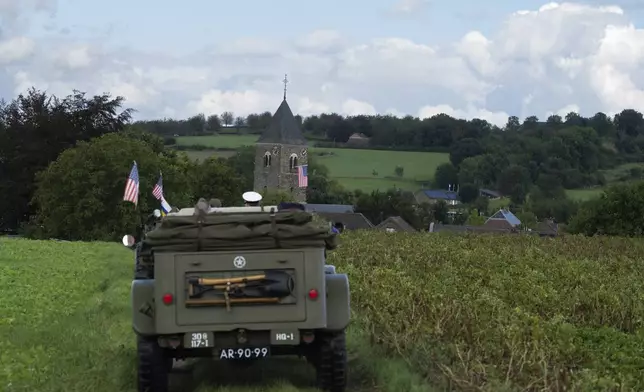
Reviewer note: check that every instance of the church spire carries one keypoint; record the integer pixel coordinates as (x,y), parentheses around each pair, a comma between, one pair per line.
(285,83)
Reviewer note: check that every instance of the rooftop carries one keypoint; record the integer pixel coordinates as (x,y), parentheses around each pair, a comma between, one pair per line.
(505,215)
(440,194)
(337,208)
(283,128)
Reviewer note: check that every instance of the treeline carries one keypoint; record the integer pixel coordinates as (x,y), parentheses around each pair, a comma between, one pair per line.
(64,163)
(386,131)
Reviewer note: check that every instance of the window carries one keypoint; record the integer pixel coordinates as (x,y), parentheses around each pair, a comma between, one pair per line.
(267,159)
(293,162)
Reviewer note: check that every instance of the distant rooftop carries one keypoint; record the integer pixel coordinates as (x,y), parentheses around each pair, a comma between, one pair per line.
(336,208)
(505,215)
(440,194)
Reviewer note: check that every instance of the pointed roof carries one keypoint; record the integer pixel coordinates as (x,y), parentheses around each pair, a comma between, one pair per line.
(283,128)
(398,221)
(505,215)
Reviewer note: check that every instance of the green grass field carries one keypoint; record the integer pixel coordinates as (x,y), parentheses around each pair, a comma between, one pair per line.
(620,174)
(65,327)
(351,168)
(219,141)
(584,194)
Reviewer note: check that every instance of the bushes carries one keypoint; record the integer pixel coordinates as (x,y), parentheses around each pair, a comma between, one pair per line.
(499,313)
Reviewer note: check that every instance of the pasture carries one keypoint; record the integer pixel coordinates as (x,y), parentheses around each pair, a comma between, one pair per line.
(353,168)
(369,170)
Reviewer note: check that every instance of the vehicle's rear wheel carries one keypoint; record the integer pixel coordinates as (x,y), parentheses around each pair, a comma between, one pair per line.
(154,366)
(330,362)
(141,271)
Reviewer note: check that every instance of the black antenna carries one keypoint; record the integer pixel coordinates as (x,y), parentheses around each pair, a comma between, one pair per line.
(285,83)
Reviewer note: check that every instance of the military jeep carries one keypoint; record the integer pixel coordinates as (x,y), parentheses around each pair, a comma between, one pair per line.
(238,284)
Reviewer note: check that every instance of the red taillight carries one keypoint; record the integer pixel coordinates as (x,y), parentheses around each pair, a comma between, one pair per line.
(167,299)
(313,294)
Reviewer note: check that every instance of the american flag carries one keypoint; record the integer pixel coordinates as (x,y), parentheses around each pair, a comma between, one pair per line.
(302,176)
(158,188)
(132,186)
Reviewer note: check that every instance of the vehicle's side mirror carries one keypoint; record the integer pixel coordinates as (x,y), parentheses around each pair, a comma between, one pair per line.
(157,213)
(128,241)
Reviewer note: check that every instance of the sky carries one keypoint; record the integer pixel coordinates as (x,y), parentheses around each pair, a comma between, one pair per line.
(464,58)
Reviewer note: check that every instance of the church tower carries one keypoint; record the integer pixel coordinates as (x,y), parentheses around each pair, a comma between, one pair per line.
(279,151)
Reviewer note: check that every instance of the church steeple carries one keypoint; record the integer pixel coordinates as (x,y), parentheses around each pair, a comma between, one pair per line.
(283,128)
(280,151)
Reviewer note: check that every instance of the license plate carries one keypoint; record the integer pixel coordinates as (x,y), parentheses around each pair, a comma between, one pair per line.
(200,339)
(244,353)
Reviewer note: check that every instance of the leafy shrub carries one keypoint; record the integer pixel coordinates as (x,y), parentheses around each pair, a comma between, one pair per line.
(503,313)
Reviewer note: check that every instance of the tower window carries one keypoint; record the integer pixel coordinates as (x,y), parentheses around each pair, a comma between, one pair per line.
(267,159)
(293,162)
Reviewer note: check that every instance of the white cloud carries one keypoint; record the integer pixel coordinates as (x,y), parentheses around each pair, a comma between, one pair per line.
(558,58)
(496,118)
(352,107)
(15,49)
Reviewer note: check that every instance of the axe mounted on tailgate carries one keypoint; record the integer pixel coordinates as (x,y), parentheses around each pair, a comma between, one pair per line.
(269,287)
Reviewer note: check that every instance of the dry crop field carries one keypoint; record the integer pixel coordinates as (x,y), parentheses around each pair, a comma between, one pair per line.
(504,313)
(471,313)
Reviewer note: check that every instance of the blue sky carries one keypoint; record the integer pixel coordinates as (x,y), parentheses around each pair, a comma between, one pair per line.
(464,58)
(191,25)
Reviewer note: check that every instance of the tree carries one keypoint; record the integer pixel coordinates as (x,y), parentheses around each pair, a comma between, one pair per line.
(554,119)
(629,122)
(227,118)
(468,193)
(463,149)
(514,181)
(214,178)
(618,211)
(240,122)
(213,124)
(513,124)
(399,171)
(243,163)
(34,129)
(197,124)
(445,175)
(79,196)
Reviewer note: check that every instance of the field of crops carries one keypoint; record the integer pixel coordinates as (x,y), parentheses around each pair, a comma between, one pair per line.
(354,169)
(65,327)
(504,313)
(478,313)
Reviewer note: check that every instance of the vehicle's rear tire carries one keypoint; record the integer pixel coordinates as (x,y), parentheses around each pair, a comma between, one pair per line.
(141,271)
(331,362)
(154,366)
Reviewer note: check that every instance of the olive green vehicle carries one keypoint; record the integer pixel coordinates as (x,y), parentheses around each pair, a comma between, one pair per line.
(237,284)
